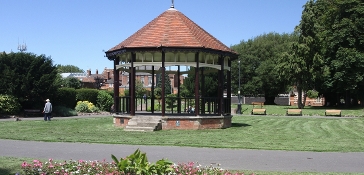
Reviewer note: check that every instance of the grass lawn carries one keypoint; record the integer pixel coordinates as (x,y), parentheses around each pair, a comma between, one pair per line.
(271,132)
(307,111)
(247,132)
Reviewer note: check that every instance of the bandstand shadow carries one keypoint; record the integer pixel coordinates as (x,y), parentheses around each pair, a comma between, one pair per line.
(238,125)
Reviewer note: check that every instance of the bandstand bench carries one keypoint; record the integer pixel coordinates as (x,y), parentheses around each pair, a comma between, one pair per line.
(258,111)
(34,112)
(261,104)
(294,112)
(333,112)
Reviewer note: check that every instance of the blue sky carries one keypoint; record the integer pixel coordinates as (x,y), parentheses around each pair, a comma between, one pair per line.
(75,32)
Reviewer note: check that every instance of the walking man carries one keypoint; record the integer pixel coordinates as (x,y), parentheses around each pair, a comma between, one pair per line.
(47,110)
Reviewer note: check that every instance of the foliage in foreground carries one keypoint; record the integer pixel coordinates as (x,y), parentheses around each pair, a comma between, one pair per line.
(9,104)
(136,163)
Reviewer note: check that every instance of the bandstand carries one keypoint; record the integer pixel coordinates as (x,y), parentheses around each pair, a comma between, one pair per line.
(172,39)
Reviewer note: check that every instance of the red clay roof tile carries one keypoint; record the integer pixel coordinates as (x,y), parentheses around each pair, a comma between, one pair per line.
(172,29)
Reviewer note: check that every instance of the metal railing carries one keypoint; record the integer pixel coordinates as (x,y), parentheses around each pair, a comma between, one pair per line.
(176,105)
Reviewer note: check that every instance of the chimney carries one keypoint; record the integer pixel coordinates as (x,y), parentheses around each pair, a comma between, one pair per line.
(89,72)
(97,72)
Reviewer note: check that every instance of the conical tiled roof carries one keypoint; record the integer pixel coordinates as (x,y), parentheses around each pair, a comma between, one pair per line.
(172,29)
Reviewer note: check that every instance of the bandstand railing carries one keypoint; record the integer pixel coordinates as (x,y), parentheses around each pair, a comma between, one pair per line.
(176,105)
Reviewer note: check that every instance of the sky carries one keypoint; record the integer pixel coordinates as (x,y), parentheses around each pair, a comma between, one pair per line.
(78,32)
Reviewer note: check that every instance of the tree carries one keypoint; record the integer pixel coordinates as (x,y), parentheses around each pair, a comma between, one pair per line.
(68,69)
(167,84)
(139,89)
(329,54)
(72,82)
(211,83)
(28,77)
(342,38)
(302,65)
(258,58)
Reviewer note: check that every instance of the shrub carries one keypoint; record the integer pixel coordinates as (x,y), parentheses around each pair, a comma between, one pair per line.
(9,104)
(104,100)
(86,107)
(171,99)
(312,94)
(63,111)
(65,97)
(126,92)
(157,107)
(87,95)
(137,163)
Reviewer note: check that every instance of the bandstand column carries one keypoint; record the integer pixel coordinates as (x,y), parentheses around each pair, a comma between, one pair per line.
(116,86)
(221,89)
(163,84)
(197,82)
(229,88)
(152,89)
(178,89)
(132,85)
(202,91)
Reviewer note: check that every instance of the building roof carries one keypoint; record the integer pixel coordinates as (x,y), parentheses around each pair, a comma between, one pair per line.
(172,29)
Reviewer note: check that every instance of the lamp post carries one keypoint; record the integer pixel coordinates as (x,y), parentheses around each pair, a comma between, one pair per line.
(239,104)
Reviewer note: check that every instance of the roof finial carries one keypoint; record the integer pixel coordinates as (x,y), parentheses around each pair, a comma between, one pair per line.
(172,6)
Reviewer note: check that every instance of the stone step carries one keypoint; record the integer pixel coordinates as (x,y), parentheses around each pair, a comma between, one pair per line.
(143,124)
(133,122)
(147,118)
(138,128)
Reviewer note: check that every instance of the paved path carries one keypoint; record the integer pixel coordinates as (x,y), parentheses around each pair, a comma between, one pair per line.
(287,161)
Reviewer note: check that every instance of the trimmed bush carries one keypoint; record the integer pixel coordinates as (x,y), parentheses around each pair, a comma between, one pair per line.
(63,111)
(87,95)
(65,97)
(104,100)
(9,104)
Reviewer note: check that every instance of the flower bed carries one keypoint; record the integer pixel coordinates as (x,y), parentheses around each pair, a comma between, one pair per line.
(134,164)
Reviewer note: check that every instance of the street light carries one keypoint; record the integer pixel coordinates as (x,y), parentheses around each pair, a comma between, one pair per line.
(239,105)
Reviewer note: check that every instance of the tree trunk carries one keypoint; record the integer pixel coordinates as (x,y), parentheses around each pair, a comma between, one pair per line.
(348,99)
(304,99)
(269,100)
(299,98)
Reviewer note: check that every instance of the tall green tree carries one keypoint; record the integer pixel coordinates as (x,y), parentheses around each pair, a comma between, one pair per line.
(342,39)
(331,38)
(68,69)
(167,84)
(139,89)
(302,65)
(211,83)
(72,82)
(258,57)
(29,77)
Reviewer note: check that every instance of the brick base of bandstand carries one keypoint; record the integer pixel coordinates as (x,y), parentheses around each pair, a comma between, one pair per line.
(172,122)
